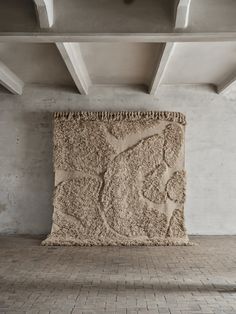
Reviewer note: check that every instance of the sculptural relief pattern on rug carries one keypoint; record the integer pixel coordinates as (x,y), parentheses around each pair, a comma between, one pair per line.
(121,179)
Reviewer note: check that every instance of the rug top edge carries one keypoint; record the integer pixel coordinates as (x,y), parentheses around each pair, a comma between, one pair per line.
(120,115)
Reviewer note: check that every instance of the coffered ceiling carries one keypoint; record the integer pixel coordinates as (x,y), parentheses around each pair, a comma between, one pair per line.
(83,43)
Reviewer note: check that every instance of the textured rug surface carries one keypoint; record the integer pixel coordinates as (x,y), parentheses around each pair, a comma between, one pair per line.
(119,179)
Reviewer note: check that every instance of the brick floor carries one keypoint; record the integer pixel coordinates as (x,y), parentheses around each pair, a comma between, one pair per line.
(125,280)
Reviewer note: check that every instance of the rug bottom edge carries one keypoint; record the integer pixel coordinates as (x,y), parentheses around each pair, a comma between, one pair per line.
(71,242)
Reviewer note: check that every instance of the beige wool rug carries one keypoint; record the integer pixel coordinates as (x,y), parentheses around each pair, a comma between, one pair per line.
(119,179)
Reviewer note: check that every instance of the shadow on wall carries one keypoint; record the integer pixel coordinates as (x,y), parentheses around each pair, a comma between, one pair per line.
(28,187)
(39,176)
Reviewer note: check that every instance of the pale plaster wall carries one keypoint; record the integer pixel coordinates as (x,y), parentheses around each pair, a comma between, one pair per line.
(26,177)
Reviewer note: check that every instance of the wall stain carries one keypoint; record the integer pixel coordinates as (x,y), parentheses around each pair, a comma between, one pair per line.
(3,207)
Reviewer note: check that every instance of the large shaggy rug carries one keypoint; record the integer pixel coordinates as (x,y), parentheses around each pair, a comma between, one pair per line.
(119,179)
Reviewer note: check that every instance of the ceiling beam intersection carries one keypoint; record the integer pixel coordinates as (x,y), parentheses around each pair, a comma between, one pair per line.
(74,61)
(182,13)
(227,84)
(45,12)
(167,51)
(10,80)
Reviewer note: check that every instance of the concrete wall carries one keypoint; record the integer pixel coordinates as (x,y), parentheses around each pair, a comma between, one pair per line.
(26,177)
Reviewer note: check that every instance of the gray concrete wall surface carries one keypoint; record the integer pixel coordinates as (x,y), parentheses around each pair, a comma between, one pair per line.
(26,173)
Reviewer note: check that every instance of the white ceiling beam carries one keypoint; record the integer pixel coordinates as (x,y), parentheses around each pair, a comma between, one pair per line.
(182,13)
(10,80)
(54,37)
(161,67)
(45,12)
(227,84)
(73,59)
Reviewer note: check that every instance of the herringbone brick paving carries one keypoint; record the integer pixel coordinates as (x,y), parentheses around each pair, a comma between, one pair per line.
(130,280)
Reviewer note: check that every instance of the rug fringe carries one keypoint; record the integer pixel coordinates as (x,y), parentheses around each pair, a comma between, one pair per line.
(124,115)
